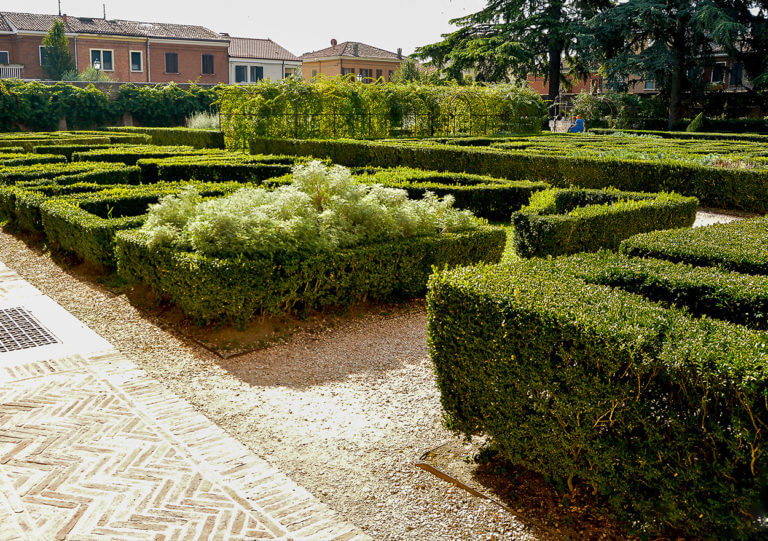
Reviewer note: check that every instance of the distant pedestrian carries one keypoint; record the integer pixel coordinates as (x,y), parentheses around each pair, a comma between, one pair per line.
(577,126)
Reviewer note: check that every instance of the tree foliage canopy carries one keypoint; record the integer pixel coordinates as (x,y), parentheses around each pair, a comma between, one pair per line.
(56,58)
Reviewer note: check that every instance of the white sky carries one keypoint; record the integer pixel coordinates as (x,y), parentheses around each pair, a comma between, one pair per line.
(298,25)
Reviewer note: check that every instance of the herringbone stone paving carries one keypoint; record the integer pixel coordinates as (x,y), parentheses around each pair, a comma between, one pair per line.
(91,447)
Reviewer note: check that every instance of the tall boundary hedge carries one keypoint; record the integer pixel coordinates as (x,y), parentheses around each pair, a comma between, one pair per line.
(720,187)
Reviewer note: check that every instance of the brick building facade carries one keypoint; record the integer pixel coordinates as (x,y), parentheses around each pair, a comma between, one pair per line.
(363,61)
(126,50)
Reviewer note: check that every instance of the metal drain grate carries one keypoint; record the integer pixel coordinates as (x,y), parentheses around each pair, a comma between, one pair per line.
(20,330)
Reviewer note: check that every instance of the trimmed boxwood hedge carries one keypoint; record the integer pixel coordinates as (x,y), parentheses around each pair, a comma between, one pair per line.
(491,198)
(8,159)
(67,150)
(217,166)
(178,136)
(68,173)
(210,289)
(738,246)
(85,224)
(662,412)
(11,150)
(566,221)
(29,141)
(721,187)
(130,154)
(686,134)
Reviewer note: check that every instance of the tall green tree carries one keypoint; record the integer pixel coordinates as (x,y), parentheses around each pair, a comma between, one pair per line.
(661,40)
(514,39)
(56,58)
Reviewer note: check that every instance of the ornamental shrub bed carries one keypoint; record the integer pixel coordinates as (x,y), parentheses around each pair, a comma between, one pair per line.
(722,187)
(85,224)
(487,197)
(686,135)
(566,221)
(238,288)
(737,246)
(322,240)
(577,375)
(177,136)
(130,154)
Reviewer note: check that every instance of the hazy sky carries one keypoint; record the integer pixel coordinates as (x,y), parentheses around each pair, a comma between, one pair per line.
(298,25)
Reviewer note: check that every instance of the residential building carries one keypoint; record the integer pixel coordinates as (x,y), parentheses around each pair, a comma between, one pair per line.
(127,51)
(365,62)
(251,60)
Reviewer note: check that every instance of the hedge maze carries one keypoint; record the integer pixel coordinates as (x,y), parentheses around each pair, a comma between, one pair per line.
(615,347)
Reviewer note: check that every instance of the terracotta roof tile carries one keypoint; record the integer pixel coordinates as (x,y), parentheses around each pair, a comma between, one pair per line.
(348,49)
(263,49)
(87,25)
(4,25)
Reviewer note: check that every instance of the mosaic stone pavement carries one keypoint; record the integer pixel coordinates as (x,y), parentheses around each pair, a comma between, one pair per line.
(91,447)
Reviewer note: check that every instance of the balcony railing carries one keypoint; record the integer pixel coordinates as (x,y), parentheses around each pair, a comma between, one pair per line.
(10,71)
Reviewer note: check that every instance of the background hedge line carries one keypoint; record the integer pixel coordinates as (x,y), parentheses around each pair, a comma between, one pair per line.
(567,221)
(660,411)
(744,189)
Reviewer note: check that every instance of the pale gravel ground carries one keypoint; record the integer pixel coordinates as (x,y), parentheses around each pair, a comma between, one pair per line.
(345,413)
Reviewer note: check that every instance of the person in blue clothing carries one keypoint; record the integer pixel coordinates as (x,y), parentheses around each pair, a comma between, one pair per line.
(577,126)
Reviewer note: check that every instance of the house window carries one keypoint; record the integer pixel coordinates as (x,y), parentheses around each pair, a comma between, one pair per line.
(43,55)
(171,62)
(241,74)
(389,76)
(207,64)
(717,75)
(650,84)
(4,57)
(137,61)
(737,74)
(257,73)
(347,71)
(379,74)
(104,57)
(314,73)
(365,74)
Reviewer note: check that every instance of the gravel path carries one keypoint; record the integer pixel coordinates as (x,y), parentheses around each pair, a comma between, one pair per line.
(344,413)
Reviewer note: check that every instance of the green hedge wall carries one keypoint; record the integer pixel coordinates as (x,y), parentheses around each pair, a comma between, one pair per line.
(687,135)
(129,155)
(238,289)
(71,172)
(660,411)
(219,166)
(491,198)
(67,150)
(22,158)
(745,189)
(737,246)
(85,224)
(567,221)
(178,136)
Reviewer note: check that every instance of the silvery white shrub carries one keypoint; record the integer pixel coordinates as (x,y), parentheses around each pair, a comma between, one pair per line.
(323,209)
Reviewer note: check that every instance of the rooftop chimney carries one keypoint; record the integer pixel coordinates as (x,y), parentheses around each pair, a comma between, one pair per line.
(400,53)
(64,18)
(356,49)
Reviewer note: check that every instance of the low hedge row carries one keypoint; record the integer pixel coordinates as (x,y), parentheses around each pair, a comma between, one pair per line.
(130,154)
(491,198)
(686,134)
(178,136)
(29,141)
(67,150)
(217,166)
(102,173)
(566,221)
(24,158)
(660,411)
(737,246)
(210,289)
(722,187)
(11,150)
(85,224)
